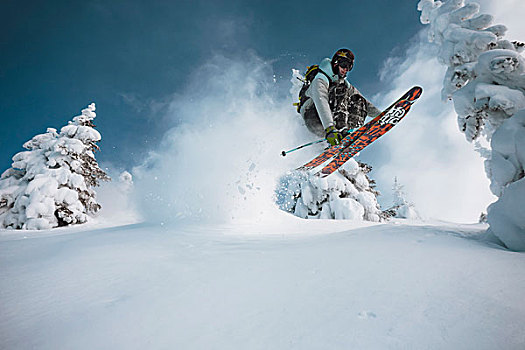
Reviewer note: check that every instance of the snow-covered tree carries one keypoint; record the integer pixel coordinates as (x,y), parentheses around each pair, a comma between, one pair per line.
(401,207)
(486,80)
(51,184)
(346,194)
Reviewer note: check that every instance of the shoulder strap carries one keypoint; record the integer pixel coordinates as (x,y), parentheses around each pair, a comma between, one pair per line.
(311,73)
(326,75)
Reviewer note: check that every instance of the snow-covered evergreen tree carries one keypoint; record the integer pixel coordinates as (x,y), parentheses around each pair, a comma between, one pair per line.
(51,184)
(401,207)
(346,194)
(486,80)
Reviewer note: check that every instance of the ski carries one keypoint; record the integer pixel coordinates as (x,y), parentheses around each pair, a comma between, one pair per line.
(388,119)
(410,95)
(333,150)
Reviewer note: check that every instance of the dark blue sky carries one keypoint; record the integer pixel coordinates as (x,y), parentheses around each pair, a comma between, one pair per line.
(130,56)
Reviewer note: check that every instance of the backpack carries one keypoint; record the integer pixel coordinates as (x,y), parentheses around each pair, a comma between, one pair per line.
(311,72)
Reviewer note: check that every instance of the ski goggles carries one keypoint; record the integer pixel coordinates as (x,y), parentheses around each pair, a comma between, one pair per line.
(346,64)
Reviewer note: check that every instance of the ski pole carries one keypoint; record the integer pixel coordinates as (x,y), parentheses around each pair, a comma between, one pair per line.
(284,153)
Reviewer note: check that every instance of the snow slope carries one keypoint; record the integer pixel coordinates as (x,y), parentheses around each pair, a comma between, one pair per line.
(294,285)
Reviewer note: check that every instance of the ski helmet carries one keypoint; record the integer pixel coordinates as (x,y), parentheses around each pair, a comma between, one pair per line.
(342,58)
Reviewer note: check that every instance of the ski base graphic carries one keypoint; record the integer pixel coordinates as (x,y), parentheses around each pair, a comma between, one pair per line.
(410,96)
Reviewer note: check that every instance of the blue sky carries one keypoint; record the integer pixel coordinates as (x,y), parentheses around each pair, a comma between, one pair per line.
(130,57)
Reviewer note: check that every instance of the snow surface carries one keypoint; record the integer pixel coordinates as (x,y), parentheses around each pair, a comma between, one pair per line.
(291,284)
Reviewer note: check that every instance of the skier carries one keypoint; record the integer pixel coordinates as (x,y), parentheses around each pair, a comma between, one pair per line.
(331,106)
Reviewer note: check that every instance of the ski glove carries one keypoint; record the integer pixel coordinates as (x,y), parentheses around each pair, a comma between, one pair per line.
(333,136)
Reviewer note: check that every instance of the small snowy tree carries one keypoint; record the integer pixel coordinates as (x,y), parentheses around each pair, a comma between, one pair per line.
(486,80)
(402,208)
(51,184)
(346,194)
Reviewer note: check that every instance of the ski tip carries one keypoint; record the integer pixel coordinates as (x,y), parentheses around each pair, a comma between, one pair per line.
(283,153)
(413,94)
